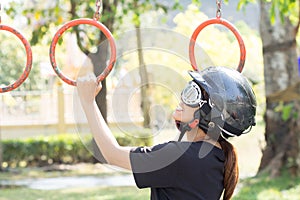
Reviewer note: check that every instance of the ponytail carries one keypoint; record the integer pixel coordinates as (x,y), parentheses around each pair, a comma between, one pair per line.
(231,173)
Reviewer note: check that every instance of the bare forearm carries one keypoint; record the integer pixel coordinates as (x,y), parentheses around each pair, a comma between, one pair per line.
(111,150)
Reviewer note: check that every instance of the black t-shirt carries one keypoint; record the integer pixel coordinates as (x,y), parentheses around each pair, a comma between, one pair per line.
(180,170)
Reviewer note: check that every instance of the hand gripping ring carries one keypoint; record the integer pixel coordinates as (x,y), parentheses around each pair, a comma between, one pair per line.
(75,22)
(229,26)
(27,69)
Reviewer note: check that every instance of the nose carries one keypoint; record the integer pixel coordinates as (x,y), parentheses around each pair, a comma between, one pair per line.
(181,104)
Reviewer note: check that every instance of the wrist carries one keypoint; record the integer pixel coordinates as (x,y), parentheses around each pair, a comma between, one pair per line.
(88,104)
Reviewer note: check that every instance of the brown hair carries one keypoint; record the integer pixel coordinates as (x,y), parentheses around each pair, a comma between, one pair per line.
(231,172)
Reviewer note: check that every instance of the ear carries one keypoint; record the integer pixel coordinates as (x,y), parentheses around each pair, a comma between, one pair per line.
(194,123)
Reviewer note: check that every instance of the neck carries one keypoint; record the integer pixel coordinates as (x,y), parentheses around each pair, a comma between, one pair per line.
(197,134)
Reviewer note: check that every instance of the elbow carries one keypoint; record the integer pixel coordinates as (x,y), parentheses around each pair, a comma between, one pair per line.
(110,160)
(118,157)
(108,157)
(112,157)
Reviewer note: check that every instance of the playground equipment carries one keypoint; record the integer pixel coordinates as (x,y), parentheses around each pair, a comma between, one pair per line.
(217,20)
(94,22)
(27,69)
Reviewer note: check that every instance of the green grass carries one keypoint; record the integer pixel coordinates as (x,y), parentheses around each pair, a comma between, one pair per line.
(260,187)
(95,193)
(264,188)
(82,169)
(74,193)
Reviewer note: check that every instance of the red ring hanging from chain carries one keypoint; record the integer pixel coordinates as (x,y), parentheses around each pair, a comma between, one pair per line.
(75,22)
(94,22)
(27,69)
(225,23)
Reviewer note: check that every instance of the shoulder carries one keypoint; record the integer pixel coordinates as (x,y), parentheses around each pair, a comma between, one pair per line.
(181,150)
(158,157)
(170,146)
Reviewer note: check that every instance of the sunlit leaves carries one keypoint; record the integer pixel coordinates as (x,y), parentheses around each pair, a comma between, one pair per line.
(286,111)
(13,61)
(243,3)
(280,8)
(196,3)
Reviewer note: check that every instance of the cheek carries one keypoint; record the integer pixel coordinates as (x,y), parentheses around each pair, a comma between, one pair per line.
(188,115)
(183,116)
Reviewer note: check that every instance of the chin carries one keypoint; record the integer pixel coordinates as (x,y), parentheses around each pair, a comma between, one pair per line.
(177,123)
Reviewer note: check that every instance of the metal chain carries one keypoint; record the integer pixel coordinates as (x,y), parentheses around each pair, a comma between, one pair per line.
(219,10)
(99,8)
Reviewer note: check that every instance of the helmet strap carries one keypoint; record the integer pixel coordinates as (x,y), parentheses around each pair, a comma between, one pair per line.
(184,127)
(197,121)
(209,120)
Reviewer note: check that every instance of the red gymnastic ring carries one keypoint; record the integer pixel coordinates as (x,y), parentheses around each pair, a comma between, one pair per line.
(229,26)
(75,22)
(27,69)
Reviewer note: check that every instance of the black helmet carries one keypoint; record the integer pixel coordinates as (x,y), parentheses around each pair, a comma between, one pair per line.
(231,106)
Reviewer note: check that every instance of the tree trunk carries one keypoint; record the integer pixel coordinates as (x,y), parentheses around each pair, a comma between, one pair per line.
(100,57)
(145,89)
(280,72)
(99,62)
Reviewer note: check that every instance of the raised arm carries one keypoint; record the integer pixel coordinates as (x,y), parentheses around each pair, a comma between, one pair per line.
(114,154)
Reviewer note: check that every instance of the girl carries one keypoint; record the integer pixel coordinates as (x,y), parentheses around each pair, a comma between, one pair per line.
(217,104)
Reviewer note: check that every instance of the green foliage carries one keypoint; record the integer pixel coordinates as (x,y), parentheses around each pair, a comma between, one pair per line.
(12,59)
(13,62)
(68,149)
(243,3)
(286,8)
(196,3)
(136,8)
(41,16)
(286,111)
(128,136)
(44,151)
(263,187)
(71,193)
(283,8)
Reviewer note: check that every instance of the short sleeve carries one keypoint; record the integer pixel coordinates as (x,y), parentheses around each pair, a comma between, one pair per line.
(157,166)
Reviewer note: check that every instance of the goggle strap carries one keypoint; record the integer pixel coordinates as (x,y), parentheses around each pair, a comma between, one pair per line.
(205,108)
(202,102)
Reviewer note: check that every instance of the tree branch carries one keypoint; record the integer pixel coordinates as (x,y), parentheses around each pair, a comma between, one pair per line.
(76,29)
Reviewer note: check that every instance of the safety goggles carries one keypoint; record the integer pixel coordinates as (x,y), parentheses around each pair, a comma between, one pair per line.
(192,95)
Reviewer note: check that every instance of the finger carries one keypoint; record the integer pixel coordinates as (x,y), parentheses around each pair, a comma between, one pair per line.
(92,77)
(98,89)
(87,78)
